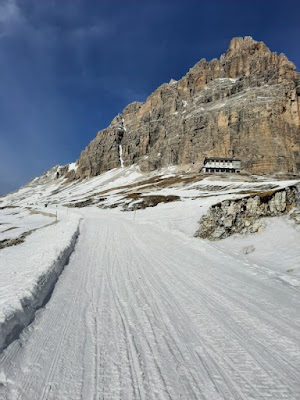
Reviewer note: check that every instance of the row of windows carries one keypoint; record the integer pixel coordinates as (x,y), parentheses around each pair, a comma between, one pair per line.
(221,170)
(219,161)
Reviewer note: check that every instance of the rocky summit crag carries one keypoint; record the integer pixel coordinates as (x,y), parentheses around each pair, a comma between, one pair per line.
(248,102)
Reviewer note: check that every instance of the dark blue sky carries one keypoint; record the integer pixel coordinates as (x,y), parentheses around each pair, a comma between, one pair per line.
(67,67)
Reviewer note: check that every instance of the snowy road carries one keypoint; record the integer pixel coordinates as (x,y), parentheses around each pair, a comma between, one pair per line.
(141,313)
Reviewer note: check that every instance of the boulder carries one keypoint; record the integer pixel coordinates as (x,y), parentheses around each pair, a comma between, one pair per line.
(244,215)
(248,249)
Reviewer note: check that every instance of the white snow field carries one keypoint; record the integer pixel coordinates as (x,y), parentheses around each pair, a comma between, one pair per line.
(15,221)
(143,310)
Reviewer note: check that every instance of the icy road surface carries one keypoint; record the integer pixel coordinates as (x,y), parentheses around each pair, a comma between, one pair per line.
(143,313)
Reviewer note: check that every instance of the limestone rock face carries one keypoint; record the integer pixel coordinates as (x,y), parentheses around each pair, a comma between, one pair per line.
(244,215)
(248,102)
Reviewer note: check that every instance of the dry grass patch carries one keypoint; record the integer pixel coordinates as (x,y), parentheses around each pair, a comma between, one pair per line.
(149,201)
(14,242)
(80,204)
(10,229)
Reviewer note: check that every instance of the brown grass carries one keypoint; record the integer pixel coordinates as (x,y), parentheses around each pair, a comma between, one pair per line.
(150,201)
(83,203)
(155,182)
(46,214)
(14,242)
(10,229)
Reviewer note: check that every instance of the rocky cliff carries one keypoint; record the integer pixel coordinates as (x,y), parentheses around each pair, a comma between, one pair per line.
(248,102)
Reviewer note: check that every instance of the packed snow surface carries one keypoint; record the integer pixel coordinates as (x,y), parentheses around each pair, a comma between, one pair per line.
(144,310)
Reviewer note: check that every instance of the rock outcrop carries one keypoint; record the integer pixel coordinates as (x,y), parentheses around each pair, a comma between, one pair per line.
(248,102)
(244,215)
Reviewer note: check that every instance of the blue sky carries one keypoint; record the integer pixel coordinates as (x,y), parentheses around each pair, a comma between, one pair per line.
(67,67)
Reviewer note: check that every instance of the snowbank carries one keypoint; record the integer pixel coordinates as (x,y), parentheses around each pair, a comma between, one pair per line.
(29,272)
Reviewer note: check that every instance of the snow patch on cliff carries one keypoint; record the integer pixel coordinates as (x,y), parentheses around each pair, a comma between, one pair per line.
(73,167)
(120,155)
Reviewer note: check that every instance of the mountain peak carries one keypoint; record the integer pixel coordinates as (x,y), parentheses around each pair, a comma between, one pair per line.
(246,102)
(245,44)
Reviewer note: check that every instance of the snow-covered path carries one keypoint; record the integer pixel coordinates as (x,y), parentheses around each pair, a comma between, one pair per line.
(141,313)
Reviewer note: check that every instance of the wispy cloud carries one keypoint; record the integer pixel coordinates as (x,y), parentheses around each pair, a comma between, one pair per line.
(10,18)
(9,11)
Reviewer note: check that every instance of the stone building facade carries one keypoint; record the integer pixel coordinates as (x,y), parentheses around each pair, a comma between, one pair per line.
(215,164)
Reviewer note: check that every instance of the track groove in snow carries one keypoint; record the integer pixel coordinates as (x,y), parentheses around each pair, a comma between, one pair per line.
(142,313)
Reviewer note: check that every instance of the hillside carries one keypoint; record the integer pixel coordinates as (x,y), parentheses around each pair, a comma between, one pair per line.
(247,102)
(143,309)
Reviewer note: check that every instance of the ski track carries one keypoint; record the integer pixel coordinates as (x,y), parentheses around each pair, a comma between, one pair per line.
(141,313)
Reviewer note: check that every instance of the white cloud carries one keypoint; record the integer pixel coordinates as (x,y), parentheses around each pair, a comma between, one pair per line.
(9,12)
(10,18)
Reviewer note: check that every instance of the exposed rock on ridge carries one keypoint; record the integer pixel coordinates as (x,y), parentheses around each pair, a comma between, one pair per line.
(248,101)
(243,215)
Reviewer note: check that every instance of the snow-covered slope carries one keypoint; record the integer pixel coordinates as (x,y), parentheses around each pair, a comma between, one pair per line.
(144,309)
(123,187)
(144,312)
(173,198)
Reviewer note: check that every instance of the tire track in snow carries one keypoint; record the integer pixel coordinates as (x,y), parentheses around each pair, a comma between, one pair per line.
(214,309)
(153,321)
(174,343)
(132,352)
